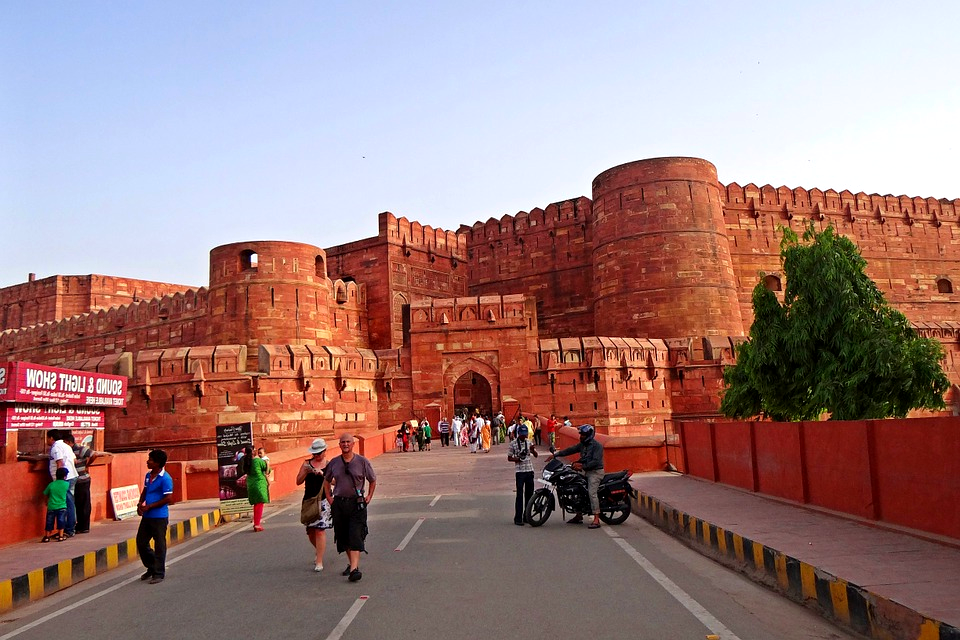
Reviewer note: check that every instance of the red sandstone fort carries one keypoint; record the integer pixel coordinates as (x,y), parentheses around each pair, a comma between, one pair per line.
(620,310)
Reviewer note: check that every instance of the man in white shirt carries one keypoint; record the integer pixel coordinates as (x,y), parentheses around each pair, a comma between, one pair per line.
(62,456)
(457,426)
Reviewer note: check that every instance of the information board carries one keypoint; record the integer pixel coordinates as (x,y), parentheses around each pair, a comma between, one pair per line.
(124,501)
(231,439)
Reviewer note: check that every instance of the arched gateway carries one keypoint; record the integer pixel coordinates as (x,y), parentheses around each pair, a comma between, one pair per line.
(471,384)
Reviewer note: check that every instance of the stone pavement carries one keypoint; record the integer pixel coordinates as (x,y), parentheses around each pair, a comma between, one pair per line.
(879,581)
(32,570)
(883,583)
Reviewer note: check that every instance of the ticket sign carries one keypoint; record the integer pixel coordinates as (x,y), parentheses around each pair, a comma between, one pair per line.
(44,416)
(35,383)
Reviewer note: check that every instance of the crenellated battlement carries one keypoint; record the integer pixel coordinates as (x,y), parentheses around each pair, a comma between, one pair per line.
(562,214)
(751,199)
(460,313)
(401,230)
(169,309)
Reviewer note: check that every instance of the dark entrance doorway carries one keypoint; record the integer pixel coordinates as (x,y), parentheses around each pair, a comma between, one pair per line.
(472,391)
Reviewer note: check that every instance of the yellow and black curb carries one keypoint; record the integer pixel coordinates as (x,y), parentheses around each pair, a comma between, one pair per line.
(39,583)
(833,597)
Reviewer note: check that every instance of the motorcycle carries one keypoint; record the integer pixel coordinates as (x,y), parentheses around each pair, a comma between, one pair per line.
(570,488)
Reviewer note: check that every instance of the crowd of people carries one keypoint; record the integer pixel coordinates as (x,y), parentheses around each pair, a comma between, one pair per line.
(480,432)
(336,491)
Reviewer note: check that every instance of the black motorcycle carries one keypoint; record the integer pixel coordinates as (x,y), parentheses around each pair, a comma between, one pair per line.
(570,487)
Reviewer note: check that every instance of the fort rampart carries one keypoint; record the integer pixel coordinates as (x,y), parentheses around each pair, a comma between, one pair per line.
(620,310)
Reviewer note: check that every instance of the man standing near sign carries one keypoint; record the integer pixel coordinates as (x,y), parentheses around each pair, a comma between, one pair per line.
(153,508)
(84,456)
(62,457)
(343,485)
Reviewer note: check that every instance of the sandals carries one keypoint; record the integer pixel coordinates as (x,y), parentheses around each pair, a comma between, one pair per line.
(46,539)
(593,525)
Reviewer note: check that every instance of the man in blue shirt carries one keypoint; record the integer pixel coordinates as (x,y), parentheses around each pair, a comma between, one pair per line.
(153,508)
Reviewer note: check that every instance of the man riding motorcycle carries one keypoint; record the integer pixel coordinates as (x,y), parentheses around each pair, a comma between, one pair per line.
(591,464)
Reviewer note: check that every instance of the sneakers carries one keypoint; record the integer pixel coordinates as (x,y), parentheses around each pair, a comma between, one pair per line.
(346,571)
(355,575)
(318,568)
(577,520)
(156,579)
(147,575)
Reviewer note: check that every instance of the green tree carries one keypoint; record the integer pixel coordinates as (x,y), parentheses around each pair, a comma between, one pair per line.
(834,345)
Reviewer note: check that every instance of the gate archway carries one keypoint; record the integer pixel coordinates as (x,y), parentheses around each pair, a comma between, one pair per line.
(472,391)
(471,384)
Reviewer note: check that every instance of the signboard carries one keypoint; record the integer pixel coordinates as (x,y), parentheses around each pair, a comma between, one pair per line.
(231,439)
(124,500)
(44,416)
(35,383)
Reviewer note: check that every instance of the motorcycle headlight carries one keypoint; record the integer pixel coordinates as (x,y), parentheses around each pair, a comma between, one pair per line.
(546,475)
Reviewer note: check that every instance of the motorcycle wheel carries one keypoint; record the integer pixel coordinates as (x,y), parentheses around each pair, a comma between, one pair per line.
(619,514)
(538,509)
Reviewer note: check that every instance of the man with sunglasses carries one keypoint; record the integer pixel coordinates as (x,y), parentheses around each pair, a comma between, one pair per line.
(343,484)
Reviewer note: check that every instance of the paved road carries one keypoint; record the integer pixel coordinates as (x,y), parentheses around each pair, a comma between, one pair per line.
(445,561)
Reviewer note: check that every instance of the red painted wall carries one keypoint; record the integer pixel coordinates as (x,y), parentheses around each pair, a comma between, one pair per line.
(905,472)
(734,454)
(778,460)
(920,481)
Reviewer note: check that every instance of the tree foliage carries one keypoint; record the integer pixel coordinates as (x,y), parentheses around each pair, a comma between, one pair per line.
(834,345)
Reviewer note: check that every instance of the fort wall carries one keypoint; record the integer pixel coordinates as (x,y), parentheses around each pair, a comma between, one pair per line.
(662,265)
(297,392)
(620,311)
(173,320)
(493,337)
(406,262)
(265,291)
(910,244)
(57,297)
(544,253)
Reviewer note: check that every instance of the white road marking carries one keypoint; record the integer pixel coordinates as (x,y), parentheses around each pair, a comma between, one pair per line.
(347,619)
(435,500)
(408,536)
(684,598)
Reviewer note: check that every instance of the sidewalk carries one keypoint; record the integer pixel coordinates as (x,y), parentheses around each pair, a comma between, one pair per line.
(31,570)
(880,582)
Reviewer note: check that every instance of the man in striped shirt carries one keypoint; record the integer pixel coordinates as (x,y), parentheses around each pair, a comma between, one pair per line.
(522,453)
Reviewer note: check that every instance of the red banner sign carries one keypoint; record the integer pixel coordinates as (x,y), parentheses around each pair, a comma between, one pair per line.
(35,383)
(38,416)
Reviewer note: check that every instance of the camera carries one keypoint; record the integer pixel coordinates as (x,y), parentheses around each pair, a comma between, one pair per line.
(523,450)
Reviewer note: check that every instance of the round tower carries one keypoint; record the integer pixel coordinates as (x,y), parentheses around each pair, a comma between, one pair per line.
(661,258)
(268,292)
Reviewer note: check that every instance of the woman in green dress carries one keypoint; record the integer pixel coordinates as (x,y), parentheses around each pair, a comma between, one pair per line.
(258,492)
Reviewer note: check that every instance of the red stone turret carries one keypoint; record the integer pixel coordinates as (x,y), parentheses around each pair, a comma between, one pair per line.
(661,259)
(266,292)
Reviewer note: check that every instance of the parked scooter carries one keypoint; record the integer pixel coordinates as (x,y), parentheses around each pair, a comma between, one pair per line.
(570,488)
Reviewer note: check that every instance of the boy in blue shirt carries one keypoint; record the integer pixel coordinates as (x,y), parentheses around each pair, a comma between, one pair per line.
(153,508)
(56,493)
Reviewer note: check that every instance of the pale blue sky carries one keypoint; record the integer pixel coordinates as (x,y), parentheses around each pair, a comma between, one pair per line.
(135,136)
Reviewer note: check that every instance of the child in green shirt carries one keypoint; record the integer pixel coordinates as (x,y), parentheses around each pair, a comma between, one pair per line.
(56,493)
